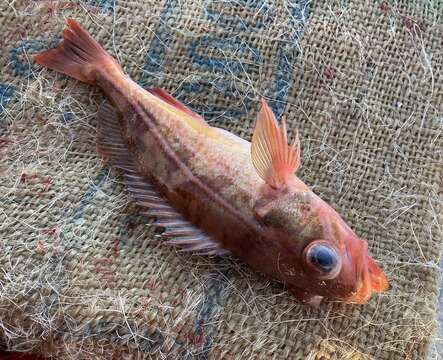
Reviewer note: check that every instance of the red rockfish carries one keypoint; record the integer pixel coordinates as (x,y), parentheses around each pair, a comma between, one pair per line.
(215,193)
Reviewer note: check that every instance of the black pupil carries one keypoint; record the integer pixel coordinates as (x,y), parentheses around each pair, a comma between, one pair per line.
(323,256)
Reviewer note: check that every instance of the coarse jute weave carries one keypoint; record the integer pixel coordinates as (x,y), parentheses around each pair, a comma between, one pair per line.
(83,276)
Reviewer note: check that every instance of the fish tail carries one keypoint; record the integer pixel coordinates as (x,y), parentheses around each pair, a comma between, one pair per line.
(78,55)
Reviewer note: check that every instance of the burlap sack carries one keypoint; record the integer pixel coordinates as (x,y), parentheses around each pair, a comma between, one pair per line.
(84,277)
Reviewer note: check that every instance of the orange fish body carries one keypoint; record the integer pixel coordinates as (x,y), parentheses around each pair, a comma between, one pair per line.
(216,193)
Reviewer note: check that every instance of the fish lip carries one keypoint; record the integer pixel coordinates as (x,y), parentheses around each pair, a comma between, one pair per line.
(357,252)
(371,278)
(363,292)
(379,281)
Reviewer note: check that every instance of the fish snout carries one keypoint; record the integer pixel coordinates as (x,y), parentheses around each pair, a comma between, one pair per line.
(370,278)
(378,280)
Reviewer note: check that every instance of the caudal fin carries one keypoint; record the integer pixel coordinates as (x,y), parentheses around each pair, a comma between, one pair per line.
(78,55)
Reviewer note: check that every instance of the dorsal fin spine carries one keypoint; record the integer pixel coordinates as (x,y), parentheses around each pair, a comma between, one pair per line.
(274,160)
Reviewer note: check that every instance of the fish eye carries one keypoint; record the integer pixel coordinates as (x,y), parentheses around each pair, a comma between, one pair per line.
(323,259)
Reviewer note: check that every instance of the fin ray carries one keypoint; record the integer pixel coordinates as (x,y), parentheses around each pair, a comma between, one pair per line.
(274,160)
(180,231)
(78,55)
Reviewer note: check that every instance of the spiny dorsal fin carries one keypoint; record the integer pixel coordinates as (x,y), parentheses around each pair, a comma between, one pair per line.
(274,160)
(168,98)
(112,146)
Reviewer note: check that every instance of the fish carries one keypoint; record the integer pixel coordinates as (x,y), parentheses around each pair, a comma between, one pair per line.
(214,193)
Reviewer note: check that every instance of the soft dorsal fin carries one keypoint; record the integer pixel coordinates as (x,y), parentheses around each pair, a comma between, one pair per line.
(274,160)
(169,99)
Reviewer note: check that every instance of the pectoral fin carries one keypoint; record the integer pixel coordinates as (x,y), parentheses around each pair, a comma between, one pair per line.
(274,160)
(113,147)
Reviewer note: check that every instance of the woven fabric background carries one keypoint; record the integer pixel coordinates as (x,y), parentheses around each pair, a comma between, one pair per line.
(83,276)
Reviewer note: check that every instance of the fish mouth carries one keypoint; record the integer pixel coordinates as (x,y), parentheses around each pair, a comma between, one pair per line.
(373,280)
(379,282)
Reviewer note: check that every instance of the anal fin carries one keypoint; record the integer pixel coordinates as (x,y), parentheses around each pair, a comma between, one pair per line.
(112,146)
(110,142)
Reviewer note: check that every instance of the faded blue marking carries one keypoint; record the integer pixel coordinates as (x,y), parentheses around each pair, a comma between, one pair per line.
(204,325)
(7,93)
(210,309)
(281,81)
(156,54)
(86,199)
(18,56)
(226,65)
(67,117)
(210,112)
(237,23)
(107,5)
(287,54)
(229,65)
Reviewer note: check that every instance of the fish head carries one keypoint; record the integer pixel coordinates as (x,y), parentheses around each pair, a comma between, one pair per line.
(345,273)
(318,252)
(305,243)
